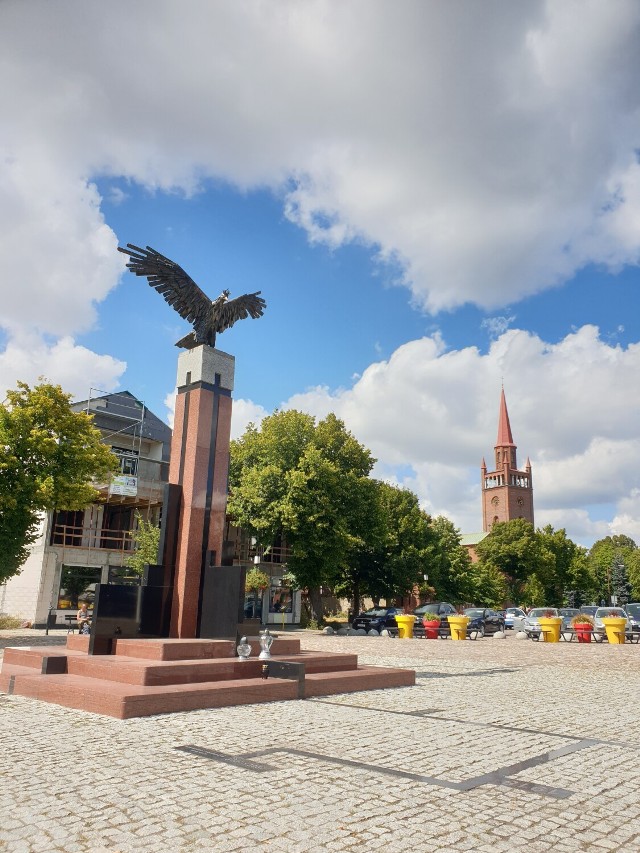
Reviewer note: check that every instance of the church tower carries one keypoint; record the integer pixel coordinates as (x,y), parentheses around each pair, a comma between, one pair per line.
(506,492)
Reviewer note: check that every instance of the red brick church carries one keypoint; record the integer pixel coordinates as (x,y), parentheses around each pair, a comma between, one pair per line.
(507,492)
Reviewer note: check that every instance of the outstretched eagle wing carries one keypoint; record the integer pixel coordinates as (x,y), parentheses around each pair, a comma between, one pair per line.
(169,279)
(249,305)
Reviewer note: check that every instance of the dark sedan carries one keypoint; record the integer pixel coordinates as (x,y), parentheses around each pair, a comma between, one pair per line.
(484,621)
(377,618)
(567,614)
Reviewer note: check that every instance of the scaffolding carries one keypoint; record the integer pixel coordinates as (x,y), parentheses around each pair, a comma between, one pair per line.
(127,414)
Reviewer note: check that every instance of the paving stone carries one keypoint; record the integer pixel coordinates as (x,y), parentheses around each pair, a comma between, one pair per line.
(334,777)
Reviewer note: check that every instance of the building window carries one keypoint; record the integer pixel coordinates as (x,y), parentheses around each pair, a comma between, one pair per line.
(77,583)
(66,528)
(117,523)
(253,605)
(128,460)
(280,599)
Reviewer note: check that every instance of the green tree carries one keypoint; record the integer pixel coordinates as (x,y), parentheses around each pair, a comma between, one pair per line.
(393,558)
(601,560)
(50,455)
(514,548)
(256,580)
(620,586)
(310,483)
(490,585)
(633,566)
(450,568)
(533,593)
(146,538)
(581,586)
(569,575)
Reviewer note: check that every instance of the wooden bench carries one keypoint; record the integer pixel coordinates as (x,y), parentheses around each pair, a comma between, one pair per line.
(569,634)
(420,634)
(72,621)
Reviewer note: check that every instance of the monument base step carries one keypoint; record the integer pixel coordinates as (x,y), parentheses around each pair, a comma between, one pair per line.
(158,681)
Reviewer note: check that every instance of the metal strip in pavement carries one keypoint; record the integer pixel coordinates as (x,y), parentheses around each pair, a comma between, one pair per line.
(430,713)
(233,760)
(499,776)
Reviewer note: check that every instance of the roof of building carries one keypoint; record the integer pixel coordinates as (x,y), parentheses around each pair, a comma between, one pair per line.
(469,539)
(504,427)
(122,412)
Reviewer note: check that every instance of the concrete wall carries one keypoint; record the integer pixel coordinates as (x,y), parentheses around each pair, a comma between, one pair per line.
(19,595)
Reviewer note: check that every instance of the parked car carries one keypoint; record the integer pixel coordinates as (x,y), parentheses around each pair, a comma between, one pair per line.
(601,612)
(512,613)
(484,620)
(377,618)
(567,614)
(589,609)
(441,609)
(531,622)
(633,612)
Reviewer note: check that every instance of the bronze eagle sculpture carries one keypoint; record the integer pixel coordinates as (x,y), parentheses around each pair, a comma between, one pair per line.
(209,317)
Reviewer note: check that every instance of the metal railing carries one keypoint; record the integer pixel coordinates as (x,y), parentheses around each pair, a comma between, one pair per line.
(70,536)
(245,552)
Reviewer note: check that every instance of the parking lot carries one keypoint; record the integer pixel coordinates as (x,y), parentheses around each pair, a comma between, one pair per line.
(502,745)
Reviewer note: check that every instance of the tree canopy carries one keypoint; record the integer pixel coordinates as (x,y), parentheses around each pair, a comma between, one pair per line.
(393,558)
(546,567)
(526,563)
(49,457)
(146,539)
(309,482)
(615,565)
(450,569)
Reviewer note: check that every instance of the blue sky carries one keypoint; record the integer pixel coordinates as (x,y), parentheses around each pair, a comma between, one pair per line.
(331,311)
(434,199)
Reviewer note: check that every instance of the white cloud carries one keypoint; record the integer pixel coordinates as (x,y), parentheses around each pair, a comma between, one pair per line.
(170,403)
(74,367)
(496,326)
(433,413)
(627,520)
(243,413)
(57,256)
(490,150)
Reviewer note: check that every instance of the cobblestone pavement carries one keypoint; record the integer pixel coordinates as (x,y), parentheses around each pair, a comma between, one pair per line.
(503,745)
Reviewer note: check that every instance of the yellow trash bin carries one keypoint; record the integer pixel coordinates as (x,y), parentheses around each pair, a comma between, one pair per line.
(405,626)
(458,625)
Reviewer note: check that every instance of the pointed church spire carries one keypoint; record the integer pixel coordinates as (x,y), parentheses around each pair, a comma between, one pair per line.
(504,427)
(507,492)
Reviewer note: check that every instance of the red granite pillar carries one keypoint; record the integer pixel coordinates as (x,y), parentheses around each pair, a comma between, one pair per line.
(199,463)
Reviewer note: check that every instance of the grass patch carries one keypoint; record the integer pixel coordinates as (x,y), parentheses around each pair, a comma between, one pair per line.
(10,622)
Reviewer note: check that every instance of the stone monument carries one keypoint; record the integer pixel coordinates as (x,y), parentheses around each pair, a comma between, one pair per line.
(129,667)
(199,461)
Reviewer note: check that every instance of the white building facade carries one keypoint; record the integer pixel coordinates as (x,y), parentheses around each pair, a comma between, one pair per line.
(75,550)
